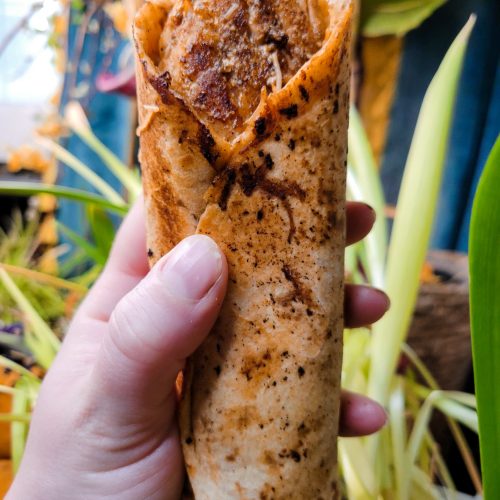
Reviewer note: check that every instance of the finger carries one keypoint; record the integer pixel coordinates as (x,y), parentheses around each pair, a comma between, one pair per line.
(363,305)
(161,322)
(360,218)
(360,416)
(126,266)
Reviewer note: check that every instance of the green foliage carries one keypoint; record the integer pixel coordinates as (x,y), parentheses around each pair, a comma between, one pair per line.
(78,5)
(19,247)
(415,212)
(484,261)
(39,337)
(395,17)
(14,188)
(103,231)
(402,461)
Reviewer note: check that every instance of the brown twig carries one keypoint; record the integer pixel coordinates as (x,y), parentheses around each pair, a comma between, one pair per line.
(19,26)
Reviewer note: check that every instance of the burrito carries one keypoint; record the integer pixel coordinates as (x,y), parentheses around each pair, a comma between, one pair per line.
(243,115)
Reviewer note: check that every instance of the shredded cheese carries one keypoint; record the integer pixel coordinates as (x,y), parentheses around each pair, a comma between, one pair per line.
(277,70)
(231,10)
(152,109)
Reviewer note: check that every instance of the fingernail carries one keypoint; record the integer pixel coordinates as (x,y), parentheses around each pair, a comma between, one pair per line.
(192,267)
(384,298)
(372,210)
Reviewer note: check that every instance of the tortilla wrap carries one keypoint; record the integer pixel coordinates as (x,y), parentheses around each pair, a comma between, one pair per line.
(243,109)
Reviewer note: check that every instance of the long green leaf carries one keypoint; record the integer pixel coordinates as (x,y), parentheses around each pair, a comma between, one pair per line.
(78,123)
(19,427)
(14,188)
(415,215)
(484,262)
(398,439)
(103,231)
(41,340)
(15,367)
(82,170)
(395,17)
(366,186)
(92,252)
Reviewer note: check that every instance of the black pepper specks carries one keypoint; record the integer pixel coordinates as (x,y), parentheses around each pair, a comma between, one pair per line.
(150,253)
(207,145)
(226,190)
(291,144)
(189,440)
(279,40)
(269,162)
(260,126)
(301,371)
(183,136)
(260,215)
(335,106)
(304,93)
(295,455)
(217,370)
(290,112)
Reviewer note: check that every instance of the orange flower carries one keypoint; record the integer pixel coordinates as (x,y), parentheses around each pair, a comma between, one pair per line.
(28,158)
(52,127)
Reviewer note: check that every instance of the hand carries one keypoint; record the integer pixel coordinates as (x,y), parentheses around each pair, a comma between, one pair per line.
(104,424)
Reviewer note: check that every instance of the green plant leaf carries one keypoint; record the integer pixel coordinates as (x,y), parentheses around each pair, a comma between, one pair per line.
(415,215)
(45,278)
(398,430)
(14,188)
(395,17)
(40,338)
(92,252)
(82,170)
(364,183)
(103,231)
(19,429)
(77,121)
(15,367)
(484,263)
(413,225)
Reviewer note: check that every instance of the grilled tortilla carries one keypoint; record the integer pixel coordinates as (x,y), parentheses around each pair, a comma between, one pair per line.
(243,110)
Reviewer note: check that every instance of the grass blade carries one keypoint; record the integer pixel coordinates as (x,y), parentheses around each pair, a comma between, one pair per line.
(13,188)
(484,262)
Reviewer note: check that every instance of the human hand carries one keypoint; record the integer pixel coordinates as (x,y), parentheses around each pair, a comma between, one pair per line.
(104,424)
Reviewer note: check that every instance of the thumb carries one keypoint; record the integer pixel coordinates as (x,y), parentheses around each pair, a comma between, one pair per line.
(161,322)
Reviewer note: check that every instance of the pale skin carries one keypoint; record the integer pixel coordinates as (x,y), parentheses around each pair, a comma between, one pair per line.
(104,424)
